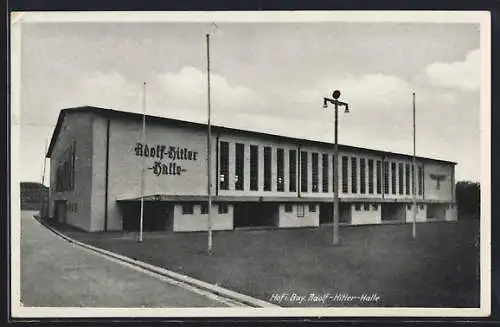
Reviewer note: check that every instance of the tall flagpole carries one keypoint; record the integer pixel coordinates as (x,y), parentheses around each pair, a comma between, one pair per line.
(209,152)
(414,211)
(143,140)
(42,197)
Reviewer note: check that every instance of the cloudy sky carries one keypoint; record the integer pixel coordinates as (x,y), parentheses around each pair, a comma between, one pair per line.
(268,77)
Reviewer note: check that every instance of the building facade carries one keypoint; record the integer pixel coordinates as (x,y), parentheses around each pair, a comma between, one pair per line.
(258,179)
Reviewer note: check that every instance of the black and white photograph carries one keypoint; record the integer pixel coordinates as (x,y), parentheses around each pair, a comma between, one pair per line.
(232,164)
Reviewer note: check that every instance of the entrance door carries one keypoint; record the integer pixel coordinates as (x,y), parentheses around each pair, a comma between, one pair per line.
(326,213)
(60,211)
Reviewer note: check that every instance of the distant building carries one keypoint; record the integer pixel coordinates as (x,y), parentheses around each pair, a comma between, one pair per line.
(258,179)
(33,195)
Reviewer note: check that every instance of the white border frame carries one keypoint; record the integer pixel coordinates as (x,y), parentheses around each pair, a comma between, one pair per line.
(480,17)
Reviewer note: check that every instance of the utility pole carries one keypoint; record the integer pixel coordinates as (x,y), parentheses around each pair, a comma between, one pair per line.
(209,153)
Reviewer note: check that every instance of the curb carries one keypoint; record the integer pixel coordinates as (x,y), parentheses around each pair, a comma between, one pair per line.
(217,290)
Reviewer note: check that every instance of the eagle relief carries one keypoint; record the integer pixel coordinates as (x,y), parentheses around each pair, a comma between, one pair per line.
(174,154)
(438,179)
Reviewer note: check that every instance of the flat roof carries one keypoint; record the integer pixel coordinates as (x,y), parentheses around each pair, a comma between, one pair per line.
(112,113)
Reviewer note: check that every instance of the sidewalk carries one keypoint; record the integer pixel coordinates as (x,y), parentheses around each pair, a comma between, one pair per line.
(56,273)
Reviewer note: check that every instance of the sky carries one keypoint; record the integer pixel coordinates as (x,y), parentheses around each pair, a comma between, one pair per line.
(268,77)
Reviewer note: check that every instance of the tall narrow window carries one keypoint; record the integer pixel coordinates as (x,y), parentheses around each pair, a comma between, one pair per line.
(401,178)
(303,171)
(224,166)
(407,176)
(315,173)
(420,180)
(280,169)
(267,168)
(386,177)
(393,177)
(379,177)
(362,175)
(254,168)
(370,176)
(345,179)
(354,175)
(325,173)
(293,170)
(240,167)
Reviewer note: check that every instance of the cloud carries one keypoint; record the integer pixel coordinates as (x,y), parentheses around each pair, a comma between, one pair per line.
(462,75)
(187,90)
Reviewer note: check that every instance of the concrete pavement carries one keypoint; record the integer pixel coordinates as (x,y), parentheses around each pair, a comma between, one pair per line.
(56,273)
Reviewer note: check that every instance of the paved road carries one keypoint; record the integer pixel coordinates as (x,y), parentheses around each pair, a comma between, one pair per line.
(56,273)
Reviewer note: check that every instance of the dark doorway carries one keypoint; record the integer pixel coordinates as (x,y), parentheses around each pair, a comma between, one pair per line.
(60,211)
(393,212)
(255,215)
(158,216)
(326,213)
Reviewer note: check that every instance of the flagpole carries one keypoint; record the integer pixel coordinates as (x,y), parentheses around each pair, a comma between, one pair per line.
(209,152)
(42,197)
(414,211)
(143,140)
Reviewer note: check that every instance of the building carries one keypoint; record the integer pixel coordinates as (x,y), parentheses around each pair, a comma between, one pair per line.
(258,179)
(33,195)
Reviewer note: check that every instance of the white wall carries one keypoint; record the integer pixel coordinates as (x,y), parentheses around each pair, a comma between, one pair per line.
(421,213)
(451,213)
(199,222)
(370,216)
(290,219)
(75,127)
(446,186)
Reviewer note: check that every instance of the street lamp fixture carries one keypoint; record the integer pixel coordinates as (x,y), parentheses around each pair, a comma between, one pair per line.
(334,100)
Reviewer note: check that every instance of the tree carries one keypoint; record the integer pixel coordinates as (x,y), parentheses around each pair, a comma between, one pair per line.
(468,195)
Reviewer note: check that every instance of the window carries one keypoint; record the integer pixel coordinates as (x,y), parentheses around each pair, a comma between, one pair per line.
(357,207)
(312,208)
(325,173)
(204,208)
(379,177)
(280,169)
(420,179)
(240,167)
(409,207)
(366,207)
(315,176)
(300,210)
(254,168)
(223,208)
(288,207)
(345,181)
(187,209)
(354,175)
(303,171)
(407,176)
(393,177)
(224,166)
(362,175)
(375,206)
(421,207)
(267,168)
(386,177)
(401,178)
(413,185)
(370,176)
(65,171)
(293,170)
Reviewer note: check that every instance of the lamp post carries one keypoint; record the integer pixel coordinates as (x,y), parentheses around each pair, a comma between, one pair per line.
(334,100)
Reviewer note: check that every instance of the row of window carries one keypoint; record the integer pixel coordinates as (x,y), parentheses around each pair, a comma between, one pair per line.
(300,208)
(187,208)
(368,169)
(65,171)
